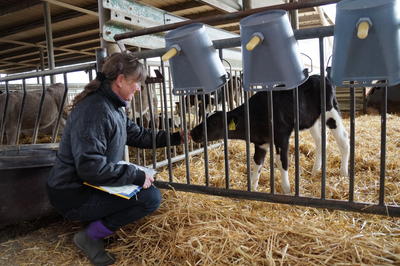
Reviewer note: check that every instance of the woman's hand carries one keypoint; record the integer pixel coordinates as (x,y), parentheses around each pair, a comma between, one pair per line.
(148,181)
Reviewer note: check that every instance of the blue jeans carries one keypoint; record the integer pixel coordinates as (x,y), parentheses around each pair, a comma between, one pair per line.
(115,211)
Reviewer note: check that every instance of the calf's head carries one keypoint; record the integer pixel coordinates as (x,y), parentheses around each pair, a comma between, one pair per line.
(215,127)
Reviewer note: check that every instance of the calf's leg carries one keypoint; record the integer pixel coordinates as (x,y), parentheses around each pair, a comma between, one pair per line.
(259,156)
(335,124)
(282,146)
(315,131)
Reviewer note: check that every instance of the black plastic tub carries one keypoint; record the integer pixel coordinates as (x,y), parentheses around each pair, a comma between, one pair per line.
(23,175)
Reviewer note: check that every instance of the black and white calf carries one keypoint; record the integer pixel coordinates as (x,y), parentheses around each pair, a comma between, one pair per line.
(309,118)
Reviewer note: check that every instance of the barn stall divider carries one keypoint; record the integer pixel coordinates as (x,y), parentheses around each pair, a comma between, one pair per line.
(378,207)
(164,86)
(24,167)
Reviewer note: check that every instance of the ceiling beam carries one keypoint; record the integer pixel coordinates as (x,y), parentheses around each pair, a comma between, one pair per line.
(41,45)
(203,14)
(182,6)
(72,7)
(40,22)
(8,8)
(226,6)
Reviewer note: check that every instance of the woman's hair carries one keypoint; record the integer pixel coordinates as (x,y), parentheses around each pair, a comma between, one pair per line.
(114,65)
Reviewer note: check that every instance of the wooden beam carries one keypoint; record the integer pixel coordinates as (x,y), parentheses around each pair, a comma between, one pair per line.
(226,6)
(8,8)
(40,23)
(72,7)
(203,14)
(182,6)
(41,45)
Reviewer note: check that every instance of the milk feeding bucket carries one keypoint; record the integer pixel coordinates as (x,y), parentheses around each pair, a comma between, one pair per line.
(195,65)
(367,42)
(271,58)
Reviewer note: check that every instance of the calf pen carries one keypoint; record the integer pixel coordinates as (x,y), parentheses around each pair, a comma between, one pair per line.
(193,229)
(378,205)
(169,156)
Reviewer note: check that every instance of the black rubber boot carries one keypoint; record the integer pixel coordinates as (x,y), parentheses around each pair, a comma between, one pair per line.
(93,249)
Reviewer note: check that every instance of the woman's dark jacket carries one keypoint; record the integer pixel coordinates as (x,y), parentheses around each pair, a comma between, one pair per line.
(92,144)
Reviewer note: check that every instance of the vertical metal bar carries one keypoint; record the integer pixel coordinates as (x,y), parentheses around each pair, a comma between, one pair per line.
(383,147)
(90,75)
(101,11)
(49,39)
(171,105)
(21,110)
(352,143)
(153,123)
(323,114)
(39,115)
(225,125)
(4,115)
(41,54)
(141,151)
(205,140)
(101,54)
(296,141)
(185,131)
(364,92)
(271,143)
(134,118)
(247,123)
(166,122)
(60,112)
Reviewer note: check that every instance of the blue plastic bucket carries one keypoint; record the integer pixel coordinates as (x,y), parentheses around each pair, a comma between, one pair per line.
(273,64)
(196,68)
(363,55)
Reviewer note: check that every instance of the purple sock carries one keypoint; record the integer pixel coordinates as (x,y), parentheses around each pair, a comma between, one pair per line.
(97,230)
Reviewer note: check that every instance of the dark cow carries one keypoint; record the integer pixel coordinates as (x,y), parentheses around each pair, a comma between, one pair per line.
(374,99)
(51,106)
(309,113)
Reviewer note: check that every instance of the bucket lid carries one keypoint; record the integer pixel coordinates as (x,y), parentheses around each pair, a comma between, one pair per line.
(362,4)
(184,31)
(262,18)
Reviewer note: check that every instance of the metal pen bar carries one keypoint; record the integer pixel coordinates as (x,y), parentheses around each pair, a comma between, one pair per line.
(61,111)
(171,105)
(184,156)
(271,143)
(21,111)
(393,211)
(247,123)
(149,89)
(164,90)
(352,144)
(296,141)
(60,70)
(383,147)
(225,125)
(39,115)
(323,124)
(3,119)
(142,151)
(185,131)
(134,118)
(230,17)
(205,143)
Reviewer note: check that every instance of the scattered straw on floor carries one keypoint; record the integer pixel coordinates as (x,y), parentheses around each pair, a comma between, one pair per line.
(195,229)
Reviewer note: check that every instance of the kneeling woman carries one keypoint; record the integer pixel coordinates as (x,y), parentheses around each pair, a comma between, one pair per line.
(92,144)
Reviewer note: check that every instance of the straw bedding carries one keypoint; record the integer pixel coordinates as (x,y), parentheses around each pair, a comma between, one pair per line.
(195,229)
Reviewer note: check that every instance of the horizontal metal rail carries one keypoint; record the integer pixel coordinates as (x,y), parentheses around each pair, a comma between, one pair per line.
(56,71)
(285,199)
(303,34)
(228,18)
